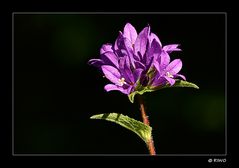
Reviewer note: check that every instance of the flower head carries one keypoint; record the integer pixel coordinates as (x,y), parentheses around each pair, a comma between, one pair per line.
(136,61)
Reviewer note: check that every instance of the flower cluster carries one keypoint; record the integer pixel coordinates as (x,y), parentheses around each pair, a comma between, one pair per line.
(136,61)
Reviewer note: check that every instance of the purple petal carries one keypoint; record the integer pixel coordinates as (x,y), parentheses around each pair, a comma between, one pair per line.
(172,47)
(164,60)
(157,80)
(136,57)
(111,87)
(154,36)
(155,47)
(154,52)
(127,73)
(106,48)
(139,55)
(149,63)
(111,73)
(137,73)
(126,48)
(170,80)
(127,45)
(179,75)
(125,70)
(141,41)
(130,33)
(174,67)
(124,61)
(120,36)
(96,62)
(120,44)
(139,64)
(129,49)
(110,58)
(157,66)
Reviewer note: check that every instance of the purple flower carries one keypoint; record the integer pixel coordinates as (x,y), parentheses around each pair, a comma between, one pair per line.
(136,61)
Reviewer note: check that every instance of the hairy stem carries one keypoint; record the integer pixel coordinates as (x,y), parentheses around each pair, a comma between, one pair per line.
(150,143)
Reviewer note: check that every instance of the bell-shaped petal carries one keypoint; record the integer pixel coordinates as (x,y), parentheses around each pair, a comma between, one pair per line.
(157,66)
(164,60)
(154,36)
(172,47)
(179,75)
(130,33)
(153,51)
(155,47)
(119,38)
(170,80)
(128,47)
(122,61)
(120,42)
(174,67)
(157,80)
(125,70)
(140,65)
(141,41)
(111,73)
(106,48)
(110,58)
(149,63)
(110,87)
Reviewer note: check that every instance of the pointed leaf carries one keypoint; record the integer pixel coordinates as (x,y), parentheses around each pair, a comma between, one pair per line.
(178,83)
(142,130)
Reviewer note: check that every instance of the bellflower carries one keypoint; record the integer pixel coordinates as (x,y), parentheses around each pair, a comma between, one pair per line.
(136,61)
(134,64)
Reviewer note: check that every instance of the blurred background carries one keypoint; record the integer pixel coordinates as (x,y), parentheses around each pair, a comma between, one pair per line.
(56,91)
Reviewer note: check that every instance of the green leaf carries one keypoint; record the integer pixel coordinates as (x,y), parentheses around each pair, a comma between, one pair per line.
(178,83)
(132,95)
(142,130)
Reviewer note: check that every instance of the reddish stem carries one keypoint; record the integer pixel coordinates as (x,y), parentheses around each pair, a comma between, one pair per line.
(150,144)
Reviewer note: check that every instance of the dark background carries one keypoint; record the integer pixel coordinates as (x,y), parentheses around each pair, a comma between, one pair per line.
(56,91)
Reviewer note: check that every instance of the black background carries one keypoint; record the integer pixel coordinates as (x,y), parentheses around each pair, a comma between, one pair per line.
(56,91)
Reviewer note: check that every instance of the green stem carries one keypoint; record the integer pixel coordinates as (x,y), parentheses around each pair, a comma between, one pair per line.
(150,143)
